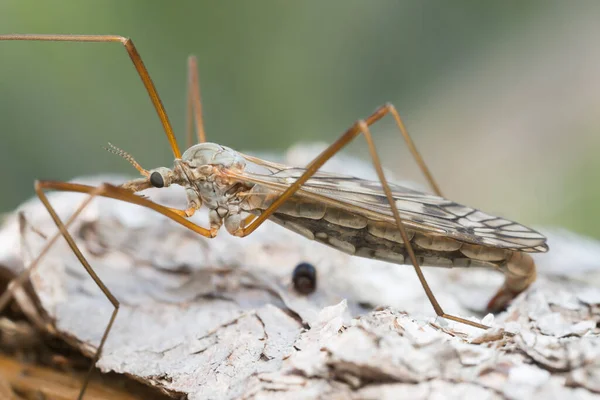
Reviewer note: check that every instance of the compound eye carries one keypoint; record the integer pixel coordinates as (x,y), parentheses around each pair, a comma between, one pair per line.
(157,180)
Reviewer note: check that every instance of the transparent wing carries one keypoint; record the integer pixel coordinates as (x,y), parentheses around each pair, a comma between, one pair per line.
(420,211)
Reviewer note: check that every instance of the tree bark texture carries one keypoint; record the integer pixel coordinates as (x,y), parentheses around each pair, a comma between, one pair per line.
(220,319)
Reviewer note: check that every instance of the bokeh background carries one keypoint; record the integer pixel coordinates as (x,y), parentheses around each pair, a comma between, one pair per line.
(502,98)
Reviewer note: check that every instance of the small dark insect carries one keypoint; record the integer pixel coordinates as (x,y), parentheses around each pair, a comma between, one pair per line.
(304,278)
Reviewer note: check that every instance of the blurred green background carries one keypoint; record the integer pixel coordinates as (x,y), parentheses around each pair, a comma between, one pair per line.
(502,98)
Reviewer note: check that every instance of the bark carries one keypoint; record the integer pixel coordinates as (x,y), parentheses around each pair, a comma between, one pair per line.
(220,319)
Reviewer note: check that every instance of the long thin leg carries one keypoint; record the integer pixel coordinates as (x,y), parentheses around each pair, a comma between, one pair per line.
(336,146)
(137,62)
(24,226)
(362,127)
(25,302)
(104,190)
(194,105)
(411,254)
(24,275)
(113,300)
(413,149)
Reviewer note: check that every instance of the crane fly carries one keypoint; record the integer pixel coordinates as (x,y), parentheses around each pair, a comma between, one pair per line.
(373,219)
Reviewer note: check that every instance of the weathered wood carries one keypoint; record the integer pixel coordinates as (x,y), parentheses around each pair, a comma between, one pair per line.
(219,318)
(35,382)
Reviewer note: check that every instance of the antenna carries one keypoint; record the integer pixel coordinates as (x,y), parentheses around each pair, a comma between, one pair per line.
(122,153)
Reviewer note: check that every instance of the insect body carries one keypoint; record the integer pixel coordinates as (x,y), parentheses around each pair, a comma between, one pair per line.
(353,215)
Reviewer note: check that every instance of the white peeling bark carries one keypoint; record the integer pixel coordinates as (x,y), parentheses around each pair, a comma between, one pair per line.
(219,318)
